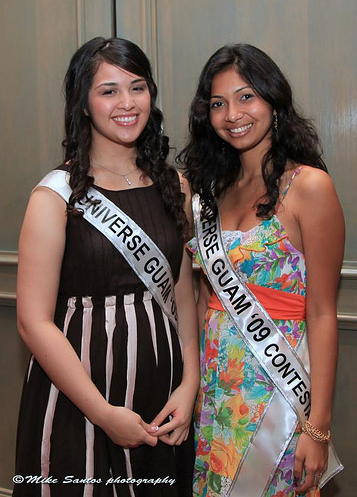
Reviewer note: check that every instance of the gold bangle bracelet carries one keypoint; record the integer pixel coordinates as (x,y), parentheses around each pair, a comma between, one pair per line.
(315,433)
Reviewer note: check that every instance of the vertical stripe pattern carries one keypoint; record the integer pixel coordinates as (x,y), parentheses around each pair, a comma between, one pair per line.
(110,310)
(30,367)
(150,313)
(126,334)
(169,341)
(131,368)
(131,349)
(85,359)
(50,411)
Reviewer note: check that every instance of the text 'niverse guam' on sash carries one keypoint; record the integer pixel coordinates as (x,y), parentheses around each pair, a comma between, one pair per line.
(137,248)
(134,243)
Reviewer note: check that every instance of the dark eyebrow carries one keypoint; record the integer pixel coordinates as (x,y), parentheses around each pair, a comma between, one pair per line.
(139,80)
(107,83)
(236,91)
(113,83)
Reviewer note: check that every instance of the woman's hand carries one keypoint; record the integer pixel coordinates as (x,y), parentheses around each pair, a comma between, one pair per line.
(126,428)
(178,409)
(310,457)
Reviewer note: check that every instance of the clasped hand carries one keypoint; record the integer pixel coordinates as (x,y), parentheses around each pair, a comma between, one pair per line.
(178,409)
(127,428)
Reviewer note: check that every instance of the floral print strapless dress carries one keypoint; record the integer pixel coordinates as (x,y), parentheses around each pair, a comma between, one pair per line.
(234,389)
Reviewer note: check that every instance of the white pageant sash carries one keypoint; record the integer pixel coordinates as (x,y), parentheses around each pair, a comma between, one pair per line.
(287,368)
(137,248)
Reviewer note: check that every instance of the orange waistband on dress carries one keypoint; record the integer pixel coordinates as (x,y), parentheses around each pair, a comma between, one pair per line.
(278,304)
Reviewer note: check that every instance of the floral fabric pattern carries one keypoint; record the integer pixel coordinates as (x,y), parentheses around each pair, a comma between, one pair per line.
(235,390)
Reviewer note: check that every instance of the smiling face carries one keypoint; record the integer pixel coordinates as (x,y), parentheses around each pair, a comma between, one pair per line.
(238,114)
(119,105)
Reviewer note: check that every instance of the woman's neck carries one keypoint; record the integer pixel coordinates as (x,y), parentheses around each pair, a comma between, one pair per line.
(251,162)
(115,155)
(119,159)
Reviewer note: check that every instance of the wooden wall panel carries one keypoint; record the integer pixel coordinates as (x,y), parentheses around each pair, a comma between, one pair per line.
(13,361)
(344,430)
(136,21)
(333,97)
(36,42)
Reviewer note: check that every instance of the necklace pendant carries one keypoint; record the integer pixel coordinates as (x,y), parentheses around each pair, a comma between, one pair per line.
(127,180)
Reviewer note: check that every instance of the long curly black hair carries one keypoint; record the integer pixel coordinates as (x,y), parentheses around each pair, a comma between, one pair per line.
(209,170)
(152,145)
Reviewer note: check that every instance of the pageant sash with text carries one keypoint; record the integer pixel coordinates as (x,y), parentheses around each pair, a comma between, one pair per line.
(138,249)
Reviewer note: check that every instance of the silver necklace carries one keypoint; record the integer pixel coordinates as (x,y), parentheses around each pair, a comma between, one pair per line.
(125,176)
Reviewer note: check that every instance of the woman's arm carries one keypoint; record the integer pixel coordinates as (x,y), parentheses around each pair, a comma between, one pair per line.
(322,230)
(181,402)
(41,249)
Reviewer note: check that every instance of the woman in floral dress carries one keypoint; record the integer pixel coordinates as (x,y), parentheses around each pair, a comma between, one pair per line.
(257,163)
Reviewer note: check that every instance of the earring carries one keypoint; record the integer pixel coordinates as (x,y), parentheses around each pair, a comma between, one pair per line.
(275,122)
(223,148)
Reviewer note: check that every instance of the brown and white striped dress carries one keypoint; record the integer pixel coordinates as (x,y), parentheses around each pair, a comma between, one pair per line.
(131,352)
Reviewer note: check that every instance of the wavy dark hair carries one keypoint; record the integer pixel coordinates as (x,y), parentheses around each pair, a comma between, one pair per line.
(152,145)
(210,171)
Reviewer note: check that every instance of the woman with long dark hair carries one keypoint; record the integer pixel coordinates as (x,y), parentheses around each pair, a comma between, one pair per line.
(102,283)
(269,238)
